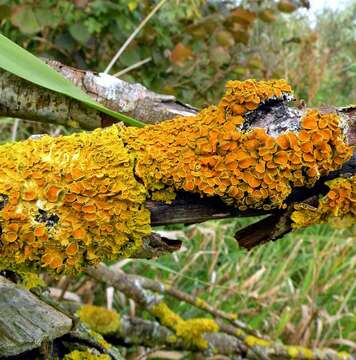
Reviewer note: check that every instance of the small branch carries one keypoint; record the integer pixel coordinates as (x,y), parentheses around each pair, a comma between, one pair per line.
(170,290)
(133,35)
(132,67)
(149,333)
(252,347)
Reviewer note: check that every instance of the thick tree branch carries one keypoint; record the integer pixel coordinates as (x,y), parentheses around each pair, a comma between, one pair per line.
(272,114)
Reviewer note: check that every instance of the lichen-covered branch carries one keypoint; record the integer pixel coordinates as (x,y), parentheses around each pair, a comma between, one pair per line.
(128,331)
(74,201)
(199,334)
(158,287)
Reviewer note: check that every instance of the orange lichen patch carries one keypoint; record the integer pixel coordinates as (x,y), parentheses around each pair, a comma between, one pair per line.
(243,96)
(251,180)
(40,230)
(281,158)
(64,233)
(90,203)
(79,234)
(69,198)
(309,122)
(29,195)
(72,249)
(337,207)
(244,164)
(282,141)
(53,193)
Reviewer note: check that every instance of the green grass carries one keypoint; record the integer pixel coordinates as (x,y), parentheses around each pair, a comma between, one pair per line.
(300,289)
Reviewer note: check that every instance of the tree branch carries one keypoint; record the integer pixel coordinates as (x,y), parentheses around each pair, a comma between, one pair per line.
(22,99)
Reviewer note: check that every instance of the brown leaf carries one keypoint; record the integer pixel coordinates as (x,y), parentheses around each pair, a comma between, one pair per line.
(180,54)
(243,16)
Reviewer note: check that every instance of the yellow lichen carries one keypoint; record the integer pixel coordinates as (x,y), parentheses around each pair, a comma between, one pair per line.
(74,201)
(296,352)
(85,355)
(191,331)
(252,341)
(87,207)
(30,280)
(337,207)
(100,340)
(99,319)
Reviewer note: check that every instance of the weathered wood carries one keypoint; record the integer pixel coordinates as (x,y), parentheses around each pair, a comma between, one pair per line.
(25,321)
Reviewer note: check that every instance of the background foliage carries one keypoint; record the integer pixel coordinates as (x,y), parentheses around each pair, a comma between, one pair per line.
(300,289)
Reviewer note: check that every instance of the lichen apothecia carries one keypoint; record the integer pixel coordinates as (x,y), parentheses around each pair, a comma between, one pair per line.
(72,201)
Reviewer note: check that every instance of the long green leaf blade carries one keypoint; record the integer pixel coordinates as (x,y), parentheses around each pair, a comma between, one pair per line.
(22,63)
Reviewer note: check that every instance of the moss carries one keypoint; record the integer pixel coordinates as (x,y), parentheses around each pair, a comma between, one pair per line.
(99,319)
(85,355)
(191,331)
(74,201)
(337,207)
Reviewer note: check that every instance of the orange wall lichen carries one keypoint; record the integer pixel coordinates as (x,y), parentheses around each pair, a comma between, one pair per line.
(337,207)
(210,155)
(76,200)
(70,201)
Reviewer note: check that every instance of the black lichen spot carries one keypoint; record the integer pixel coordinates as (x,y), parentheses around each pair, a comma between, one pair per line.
(4,199)
(49,220)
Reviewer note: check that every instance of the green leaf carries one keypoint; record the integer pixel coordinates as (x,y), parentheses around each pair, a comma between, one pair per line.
(80,33)
(25,19)
(22,63)
(47,17)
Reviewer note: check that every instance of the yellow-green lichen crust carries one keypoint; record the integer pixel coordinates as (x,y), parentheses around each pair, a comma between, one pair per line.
(99,319)
(190,331)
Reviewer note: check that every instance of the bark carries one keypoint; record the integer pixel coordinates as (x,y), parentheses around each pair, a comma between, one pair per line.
(25,321)
(22,99)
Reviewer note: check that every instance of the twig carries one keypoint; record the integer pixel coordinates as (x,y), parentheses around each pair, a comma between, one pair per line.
(132,67)
(133,35)
(161,288)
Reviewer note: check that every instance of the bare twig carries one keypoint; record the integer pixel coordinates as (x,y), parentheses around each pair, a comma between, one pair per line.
(132,67)
(133,35)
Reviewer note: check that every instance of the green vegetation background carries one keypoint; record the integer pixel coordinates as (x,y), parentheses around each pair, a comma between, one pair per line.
(300,289)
